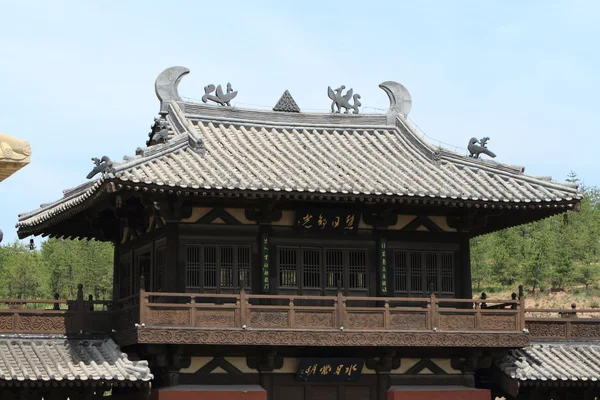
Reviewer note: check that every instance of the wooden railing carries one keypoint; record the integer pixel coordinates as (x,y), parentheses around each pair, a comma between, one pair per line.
(77,317)
(245,311)
(327,312)
(560,324)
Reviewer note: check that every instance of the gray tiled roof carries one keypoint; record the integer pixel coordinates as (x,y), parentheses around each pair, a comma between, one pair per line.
(228,149)
(553,362)
(44,359)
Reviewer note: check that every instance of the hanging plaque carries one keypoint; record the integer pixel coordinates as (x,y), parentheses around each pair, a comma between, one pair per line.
(264,242)
(383,267)
(317,220)
(329,369)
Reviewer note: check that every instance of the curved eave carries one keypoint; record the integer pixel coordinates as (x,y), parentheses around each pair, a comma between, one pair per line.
(113,185)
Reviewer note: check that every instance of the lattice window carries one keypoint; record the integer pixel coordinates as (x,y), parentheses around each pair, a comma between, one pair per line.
(226,271)
(400,271)
(126,289)
(288,268)
(160,269)
(311,268)
(431,272)
(357,269)
(209,267)
(217,267)
(447,273)
(243,265)
(144,264)
(192,266)
(414,271)
(334,268)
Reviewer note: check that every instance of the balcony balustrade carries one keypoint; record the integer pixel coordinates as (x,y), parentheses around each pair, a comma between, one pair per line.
(256,319)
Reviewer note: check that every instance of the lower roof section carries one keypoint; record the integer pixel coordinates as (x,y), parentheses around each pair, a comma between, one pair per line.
(553,362)
(45,358)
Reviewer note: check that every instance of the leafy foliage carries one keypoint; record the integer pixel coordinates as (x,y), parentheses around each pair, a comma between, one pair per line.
(557,251)
(56,268)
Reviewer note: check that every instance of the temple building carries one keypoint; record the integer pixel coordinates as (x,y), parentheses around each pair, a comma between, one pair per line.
(289,255)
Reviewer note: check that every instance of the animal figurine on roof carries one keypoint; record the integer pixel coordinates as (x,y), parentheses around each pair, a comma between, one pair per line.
(102,165)
(477,147)
(340,101)
(219,97)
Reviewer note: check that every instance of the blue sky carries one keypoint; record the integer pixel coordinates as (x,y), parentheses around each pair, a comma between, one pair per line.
(76,77)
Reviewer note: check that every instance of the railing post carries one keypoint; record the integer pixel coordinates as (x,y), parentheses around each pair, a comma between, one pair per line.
(56,305)
(243,307)
(192,310)
(433,310)
(386,315)
(291,314)
(521,308)
(143,301)
(80,309)
(340,306)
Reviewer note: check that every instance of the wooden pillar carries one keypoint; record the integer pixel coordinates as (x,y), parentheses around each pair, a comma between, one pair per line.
(175,268)
(466,291)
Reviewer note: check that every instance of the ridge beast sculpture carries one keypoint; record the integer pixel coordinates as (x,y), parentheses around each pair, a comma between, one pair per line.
(159,132)
(103,164)
(476,147)
(340,101)
(219,97)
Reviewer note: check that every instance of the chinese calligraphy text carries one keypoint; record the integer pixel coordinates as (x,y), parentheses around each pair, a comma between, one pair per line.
(383,264)
(329,369)
(327,220)
(264,253)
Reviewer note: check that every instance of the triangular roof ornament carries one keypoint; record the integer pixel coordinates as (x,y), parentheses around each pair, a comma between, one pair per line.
(286,103)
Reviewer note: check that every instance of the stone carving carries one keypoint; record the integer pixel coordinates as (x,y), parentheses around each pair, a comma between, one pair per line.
(477,147)
(215,318)
(263,318)
(286,103)
(408,321)
(219,97)
(323,338)
(547,329)
(42,323)
(103,165)
(364,320)
(457,321)
(500,322)
(159,132)
(168,317)
(314,319)
(343,101)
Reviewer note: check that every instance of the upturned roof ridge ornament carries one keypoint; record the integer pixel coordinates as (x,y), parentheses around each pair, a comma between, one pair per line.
(159,132)
(102,165)
(343,101)
(166,85)
(400,99)
(477,147)
(219,97)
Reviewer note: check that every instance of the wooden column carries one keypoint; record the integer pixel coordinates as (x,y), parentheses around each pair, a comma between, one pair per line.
(466,291)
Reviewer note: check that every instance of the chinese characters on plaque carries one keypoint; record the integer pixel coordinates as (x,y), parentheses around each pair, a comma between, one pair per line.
(383,264)
(264,255)
(329,369)
(327,220)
